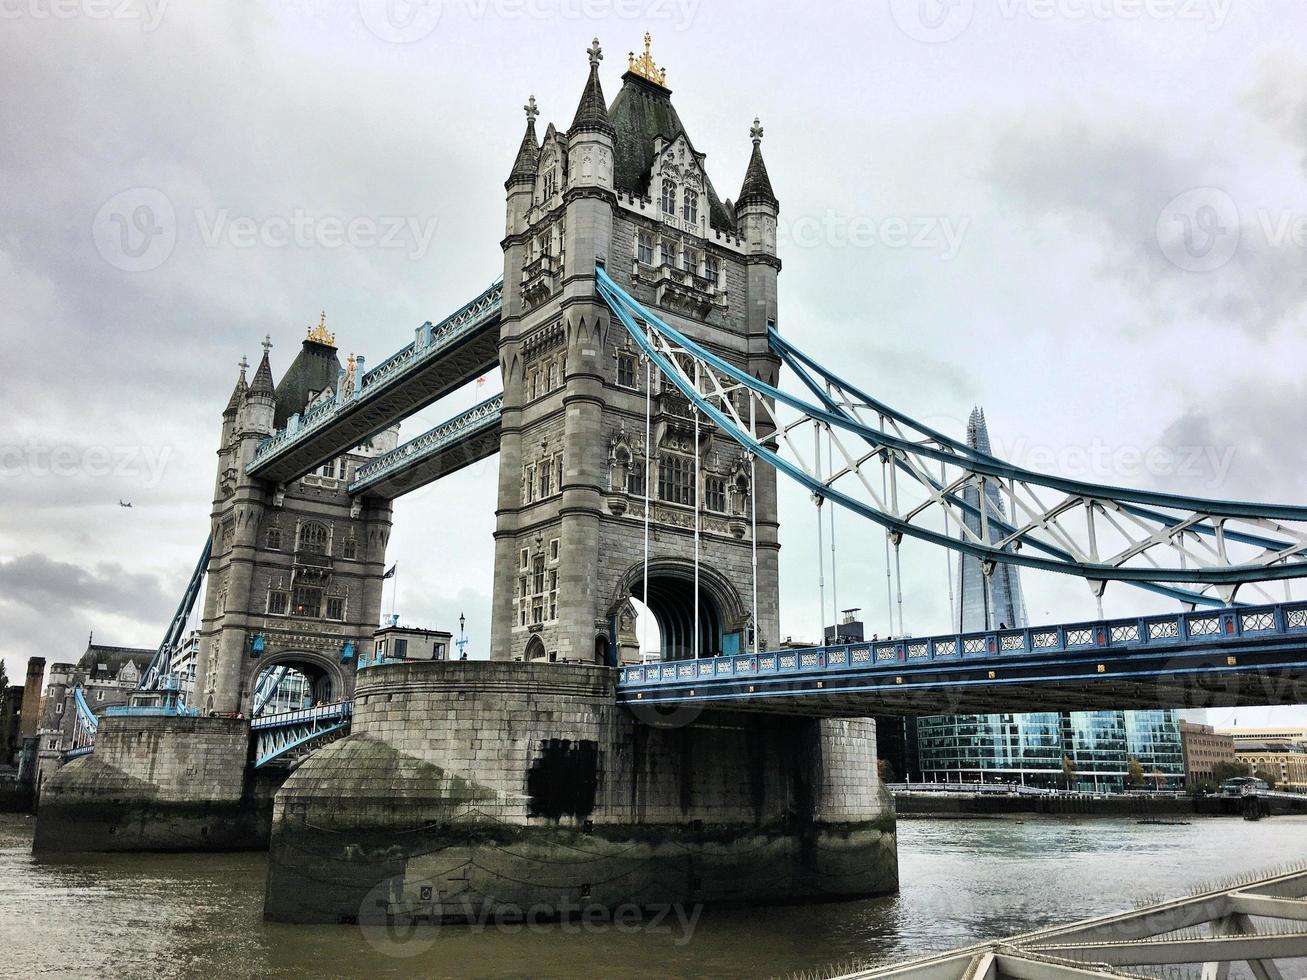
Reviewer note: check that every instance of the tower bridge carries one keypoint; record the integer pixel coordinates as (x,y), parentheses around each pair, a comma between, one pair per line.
(640,436)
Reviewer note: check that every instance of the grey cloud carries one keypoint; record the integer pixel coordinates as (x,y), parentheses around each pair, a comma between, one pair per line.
(1113,182)
(53,588)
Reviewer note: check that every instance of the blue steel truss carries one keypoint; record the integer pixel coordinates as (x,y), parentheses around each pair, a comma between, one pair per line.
(431,343)
(910,479)
(482,416)
(276,736)
(266,689)
(161,665)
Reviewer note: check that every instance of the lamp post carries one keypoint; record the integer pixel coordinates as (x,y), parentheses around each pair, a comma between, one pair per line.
(462,637)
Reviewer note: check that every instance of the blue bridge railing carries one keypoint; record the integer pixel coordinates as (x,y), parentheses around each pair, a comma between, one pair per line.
(1237,624)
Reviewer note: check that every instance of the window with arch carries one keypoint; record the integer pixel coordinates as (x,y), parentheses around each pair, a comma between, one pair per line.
(690,206)
(350,548)
(669,197)
(551,182)
(714,494)
(314,538)
(273,539)
(644,248)
(626,363)
(676,479)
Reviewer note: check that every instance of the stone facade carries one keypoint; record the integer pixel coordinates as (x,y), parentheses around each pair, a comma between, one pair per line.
(487,786)
(569,536)
(107,676)
(294,577)
(153,783)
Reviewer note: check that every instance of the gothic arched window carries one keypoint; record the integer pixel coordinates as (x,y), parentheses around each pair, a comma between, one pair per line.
(314,538)
(669,197)
(690,206)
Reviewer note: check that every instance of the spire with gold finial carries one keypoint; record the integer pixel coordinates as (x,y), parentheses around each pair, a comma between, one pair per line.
(319,333)
(644,65)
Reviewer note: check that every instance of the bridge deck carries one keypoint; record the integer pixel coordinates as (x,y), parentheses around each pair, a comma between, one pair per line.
(449,356)
(438,452)
(1253,655)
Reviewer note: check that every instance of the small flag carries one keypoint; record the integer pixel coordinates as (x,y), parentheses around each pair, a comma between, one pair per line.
(390,572)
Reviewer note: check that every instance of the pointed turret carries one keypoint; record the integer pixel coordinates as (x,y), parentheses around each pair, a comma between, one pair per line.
(592,111)
(237,393)
(528,155)
(757,185)
(262,385)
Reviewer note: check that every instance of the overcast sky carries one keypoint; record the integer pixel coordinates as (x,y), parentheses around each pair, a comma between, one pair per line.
(178,180)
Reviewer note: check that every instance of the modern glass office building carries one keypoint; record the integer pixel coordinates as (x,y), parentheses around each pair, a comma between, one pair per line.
(1034,748)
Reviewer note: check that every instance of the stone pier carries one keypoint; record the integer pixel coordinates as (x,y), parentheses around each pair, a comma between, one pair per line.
(154,784)
(473,788)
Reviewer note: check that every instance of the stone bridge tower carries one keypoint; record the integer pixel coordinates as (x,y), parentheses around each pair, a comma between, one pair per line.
(626,186)
(295,573)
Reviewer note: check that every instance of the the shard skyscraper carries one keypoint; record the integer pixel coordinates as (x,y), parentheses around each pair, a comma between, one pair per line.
(1030,748)
(998,605)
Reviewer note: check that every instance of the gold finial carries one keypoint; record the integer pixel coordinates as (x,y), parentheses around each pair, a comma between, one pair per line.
(644,65)
(319,333)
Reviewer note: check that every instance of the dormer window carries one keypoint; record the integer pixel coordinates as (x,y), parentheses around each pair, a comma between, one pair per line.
(669,197)
(690,206)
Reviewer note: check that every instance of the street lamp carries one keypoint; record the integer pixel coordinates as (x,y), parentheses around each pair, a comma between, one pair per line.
(462,638)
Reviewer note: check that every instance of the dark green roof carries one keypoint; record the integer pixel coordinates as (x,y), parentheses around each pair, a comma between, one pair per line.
(642,111)
(315,367)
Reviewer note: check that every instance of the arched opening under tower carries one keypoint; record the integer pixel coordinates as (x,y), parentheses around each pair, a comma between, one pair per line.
(292,681)
(721,622)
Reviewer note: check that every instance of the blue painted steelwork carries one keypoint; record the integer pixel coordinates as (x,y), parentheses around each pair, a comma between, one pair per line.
(484,415)
(1130,514)
(432,342)
(266,688)
(1153,643)
(161,665)
(169,710)
(277,735)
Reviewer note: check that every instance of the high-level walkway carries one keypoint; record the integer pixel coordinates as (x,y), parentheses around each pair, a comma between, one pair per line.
(1259,922)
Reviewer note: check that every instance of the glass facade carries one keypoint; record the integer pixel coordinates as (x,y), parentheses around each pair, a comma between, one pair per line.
(1033,749)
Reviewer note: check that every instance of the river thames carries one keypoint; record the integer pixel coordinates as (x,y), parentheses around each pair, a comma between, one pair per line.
(193,915)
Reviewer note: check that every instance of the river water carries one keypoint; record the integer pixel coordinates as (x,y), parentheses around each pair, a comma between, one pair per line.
(194,915)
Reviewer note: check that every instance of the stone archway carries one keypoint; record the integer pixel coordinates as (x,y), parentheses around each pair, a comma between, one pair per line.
(327,678)
(722,619)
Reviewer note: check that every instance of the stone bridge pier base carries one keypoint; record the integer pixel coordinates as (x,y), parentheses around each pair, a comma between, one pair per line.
(153,784)
(489,791)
